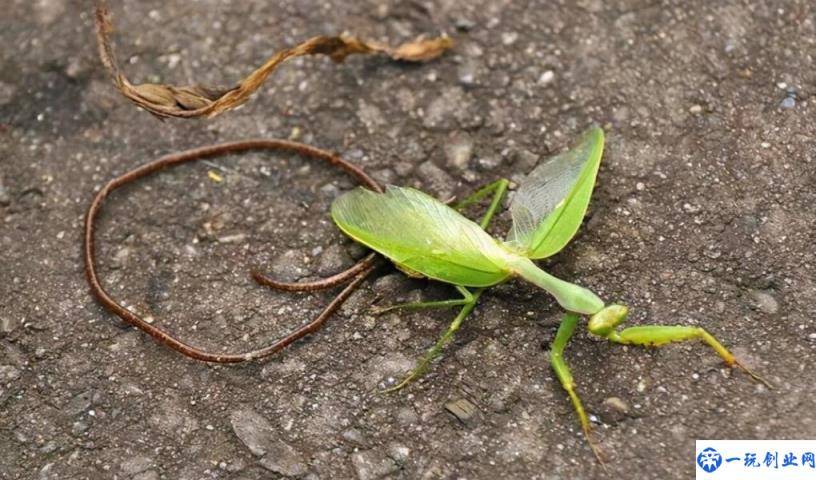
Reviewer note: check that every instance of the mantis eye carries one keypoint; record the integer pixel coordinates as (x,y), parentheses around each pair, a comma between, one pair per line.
(605,321)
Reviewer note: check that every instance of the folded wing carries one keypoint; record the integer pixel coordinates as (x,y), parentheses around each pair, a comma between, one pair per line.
(423,234)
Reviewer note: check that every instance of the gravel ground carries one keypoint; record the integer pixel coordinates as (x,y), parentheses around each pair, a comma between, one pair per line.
(703,215)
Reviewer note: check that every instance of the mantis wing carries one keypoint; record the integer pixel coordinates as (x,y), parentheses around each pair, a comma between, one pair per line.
(420,233)
(551,202)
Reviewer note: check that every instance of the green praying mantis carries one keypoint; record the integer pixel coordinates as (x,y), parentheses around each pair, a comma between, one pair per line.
(425,237)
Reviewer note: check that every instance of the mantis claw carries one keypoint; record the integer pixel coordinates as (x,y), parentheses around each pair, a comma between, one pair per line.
(753,375)
(595,447)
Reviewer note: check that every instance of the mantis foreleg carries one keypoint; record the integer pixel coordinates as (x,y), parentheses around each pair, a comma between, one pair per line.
(605,322)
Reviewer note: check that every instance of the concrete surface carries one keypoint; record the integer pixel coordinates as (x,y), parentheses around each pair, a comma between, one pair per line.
(704,215)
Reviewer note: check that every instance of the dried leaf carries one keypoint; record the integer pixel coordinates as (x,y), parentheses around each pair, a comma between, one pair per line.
(422,50)
(197,100)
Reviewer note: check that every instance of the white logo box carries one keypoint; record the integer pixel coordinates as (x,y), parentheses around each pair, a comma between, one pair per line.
(755,460)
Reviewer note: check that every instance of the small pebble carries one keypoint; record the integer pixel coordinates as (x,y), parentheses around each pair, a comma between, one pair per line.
(509,38)
(458,149)
(436,180)
(8,324)
(148,475)
(614,409)
(399,453)
(135,464)
(286,267)
(788,102)
(546,77)
(466,73)
(7,92)
(765,302)
(332,260)
(8,373)
(463,24)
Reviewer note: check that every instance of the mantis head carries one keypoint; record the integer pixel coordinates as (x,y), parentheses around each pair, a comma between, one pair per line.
(604,322)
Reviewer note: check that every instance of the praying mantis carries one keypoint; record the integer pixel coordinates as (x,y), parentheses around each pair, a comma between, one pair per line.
(425,237)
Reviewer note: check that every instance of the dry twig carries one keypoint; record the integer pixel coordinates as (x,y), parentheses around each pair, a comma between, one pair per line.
(197,100)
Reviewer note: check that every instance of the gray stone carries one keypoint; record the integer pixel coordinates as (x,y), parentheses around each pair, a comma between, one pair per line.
(464,24)
(373,464)
(254,431)
(524,161)
(437,181)
(765,302)
(9,373)
(173,418)
(333,260)
(134,465)
(614,409)
(8,324)
(283,459)
(354,435)
(451,107)
(79,427)
(49,11)
(287,266)
(390,285)
(370,115)
(788,102)
(79,403)
(458,149)
(47,473)
(407,416)
(399,453)
(489,163)
(148,475)
(466,73)
(7,93)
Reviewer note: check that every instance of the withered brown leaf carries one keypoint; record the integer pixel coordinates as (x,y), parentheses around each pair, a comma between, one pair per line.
(201,101)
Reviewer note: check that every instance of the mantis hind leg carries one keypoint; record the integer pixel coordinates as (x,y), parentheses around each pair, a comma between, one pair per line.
(604,324)
(498,189)
(466,299)
(562,371)
(422,365)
